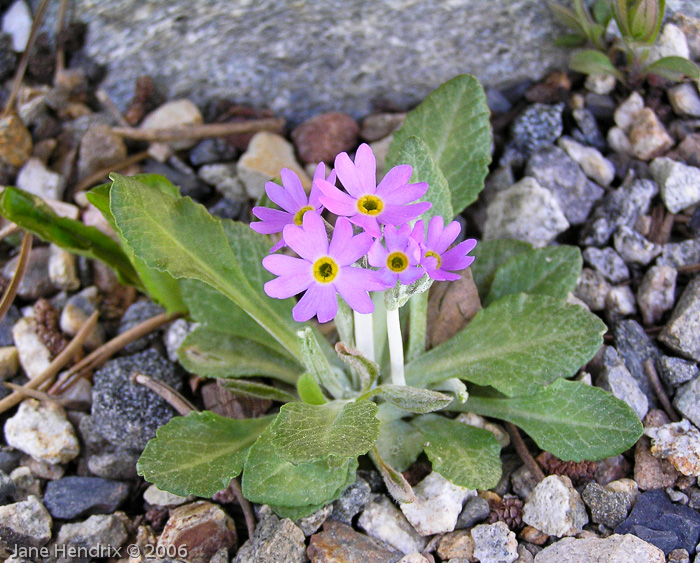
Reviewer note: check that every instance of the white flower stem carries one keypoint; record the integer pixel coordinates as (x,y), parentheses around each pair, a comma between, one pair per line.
(364,334)
(393,329)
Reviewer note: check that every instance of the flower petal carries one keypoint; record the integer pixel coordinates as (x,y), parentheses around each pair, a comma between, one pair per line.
(279,195)
(348,175)
(435,228)
(310,240)
(345,248)
(336,201)
(271,220)
(368,223)
(418,232)
(395,178)
(400,214)
(377,254)
(353,285)
(281,264)
(406,193)
(447,237)
(319,300)
(366,166)
(287,286)
(442,275)
(387,277)
(456,258)
(292,184)
(409,275)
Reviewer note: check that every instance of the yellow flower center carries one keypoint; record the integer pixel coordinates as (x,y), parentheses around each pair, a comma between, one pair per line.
(397,262)
(299,217)
(325,270)
(370,205)
(434,255)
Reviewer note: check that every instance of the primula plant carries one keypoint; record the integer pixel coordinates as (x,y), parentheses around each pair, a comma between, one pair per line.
(362,252)
(625,56)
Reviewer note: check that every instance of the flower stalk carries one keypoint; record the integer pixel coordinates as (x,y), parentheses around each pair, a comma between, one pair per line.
(393,329)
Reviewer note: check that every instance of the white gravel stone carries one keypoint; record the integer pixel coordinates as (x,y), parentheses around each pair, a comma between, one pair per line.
(9,362)
(62,269)
(635,248)
(555,507)
(671,42)
(592,288)
(679,183)
(267,154)
(525,211)
(592,162)
(607,262)
(17,21)
(473,419)
(648,136)
(224,178)
(625,112)
(619,141)
(98,530)
(155,497)
(656,293)
(620,301)
(616,378)
(679,443)
(43,432)
(383,521)
(682,331)
(36,179)
(599,83)
(26,522)
(685,99)
(438,505)
(34,356)
(413,558)
(687,401)
(613,549)
(174,114)
(175,335)
(494,543)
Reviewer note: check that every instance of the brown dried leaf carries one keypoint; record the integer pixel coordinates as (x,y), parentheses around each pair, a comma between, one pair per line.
(221,401)
(451,306)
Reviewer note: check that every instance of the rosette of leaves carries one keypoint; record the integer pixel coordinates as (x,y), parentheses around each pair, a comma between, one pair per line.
(626,57)
(512,362)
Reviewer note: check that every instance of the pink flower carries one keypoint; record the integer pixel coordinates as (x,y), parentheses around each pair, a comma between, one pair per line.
(366,203)
(435,258)
(322,269)
(292,198)
(399,260)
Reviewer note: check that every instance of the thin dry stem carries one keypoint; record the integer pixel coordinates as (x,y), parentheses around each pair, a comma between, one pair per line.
(60,24)
(8,230)
(659,390)
(107,350)
(41,396)
(110,106)
(167,393)
(56,365)
(689,269)
(11,291)
(250,522)
(523,452)
(199,131)
(24,61)
(95,177)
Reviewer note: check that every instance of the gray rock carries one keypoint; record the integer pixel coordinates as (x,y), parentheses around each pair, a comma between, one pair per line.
(679,443)
(25,524)
(600,83)
(175,335)
(671,42)
(35,282)
(379,125)
(476,509)
(8,488)
(62,269)
(37,179)
(352,501)
(230,209)
(34,356)
(592,162)
(684,99)
(310,524)
(9,459)
(538,126)
(180,175)
(156,497)
(105,530)
(381,520)
(677,371)
(648,136)
(635,347)
(274,541)
(679,183)
(607,262)
(6,324)
(607,507)
(72,497)
(592,289)
(136,314)
(26,483)
(127,414)
(99,148)
(555,507)
(687,400)
(209,151)
(616,378)
(523,482)
(110,465)
(588,131)
(633,247)
(613,549)
(656,293)
(620,302)
(365,50)
(682,332)
(17,22)
(677,254)
(176,113)
(526,211)
(224,178)
(494,543)
(8,57)
(556,171)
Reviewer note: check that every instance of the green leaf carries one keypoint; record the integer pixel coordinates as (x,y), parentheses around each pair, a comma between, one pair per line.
(399,444)
(570,419)
(462,454)
(339,430)
(256,390)
(553,271)
(199,453)
(602,12)
(32,214)
(215,354)
(269,479)
(518,344)
(316,362)
(674,69)
(161,286)
(365,369)
(416,153)
(397,485)
(412,399)
(454,123)
(567,17)
(181,237)
(593,62)
(309,390)
(489,256)
(570,40)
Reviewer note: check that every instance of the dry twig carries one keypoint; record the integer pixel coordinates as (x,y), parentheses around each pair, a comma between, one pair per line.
(167,393)
(659,390)
(523,452)
(41,396)
(95,177)
(9,295)
(199,131)
(250,523)
(60,24)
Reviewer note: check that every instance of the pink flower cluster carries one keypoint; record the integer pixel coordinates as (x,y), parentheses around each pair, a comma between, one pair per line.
(326,268)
